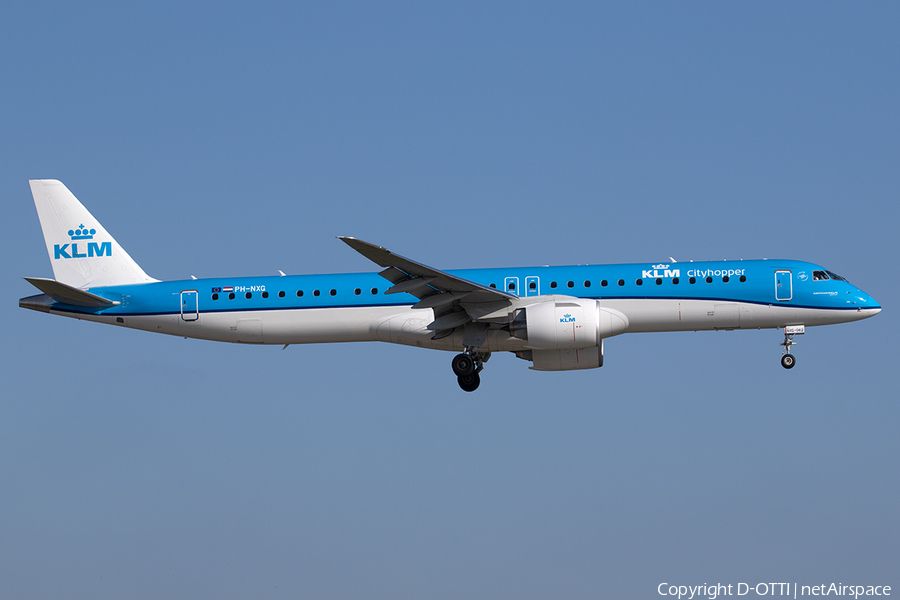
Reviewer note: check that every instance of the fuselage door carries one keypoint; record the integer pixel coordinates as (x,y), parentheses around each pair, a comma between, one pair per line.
(511,285)
(533,286)
(783,289)
(189,308)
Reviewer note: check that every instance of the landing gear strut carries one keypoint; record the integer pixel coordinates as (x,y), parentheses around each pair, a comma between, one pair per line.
(787,359)
(467,365)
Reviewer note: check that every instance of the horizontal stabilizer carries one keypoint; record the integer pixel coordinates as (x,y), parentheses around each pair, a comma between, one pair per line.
(66,294)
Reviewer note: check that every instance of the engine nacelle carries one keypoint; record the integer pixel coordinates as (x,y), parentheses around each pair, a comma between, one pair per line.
(567,360)
(566,324)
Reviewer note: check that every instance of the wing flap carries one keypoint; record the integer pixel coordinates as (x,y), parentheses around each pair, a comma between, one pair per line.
(440,299)
(450,321)
(412,286)
(394,275)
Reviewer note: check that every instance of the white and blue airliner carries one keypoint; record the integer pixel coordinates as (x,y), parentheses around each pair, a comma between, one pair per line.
(555,317)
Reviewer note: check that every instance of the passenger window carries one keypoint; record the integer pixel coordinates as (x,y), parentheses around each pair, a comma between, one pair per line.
(357,291)
(265,294)
(316,292)
(215,296)
(604,283)
(675,281)
(333,292)
(692,280)
(532,285)
(511,285)
(553,284)
(248,295)
(587,283)
(621,282)
(299,293)
(640,282)
(658,281)
(571,284)
(281,294)
(725,279)
(494,285)
(709,280)
(231,296)
(374,291)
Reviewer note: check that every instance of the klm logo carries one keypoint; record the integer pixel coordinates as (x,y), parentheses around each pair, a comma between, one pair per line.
(82,233)
(660,271)
(567,318)
(92,250)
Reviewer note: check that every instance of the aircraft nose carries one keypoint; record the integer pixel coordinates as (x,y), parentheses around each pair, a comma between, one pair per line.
(868,303)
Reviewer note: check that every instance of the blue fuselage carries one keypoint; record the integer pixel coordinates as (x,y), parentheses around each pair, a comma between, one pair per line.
(744,281)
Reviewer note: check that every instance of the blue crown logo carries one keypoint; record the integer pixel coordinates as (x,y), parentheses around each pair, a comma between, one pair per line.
(82,233)
(567,316)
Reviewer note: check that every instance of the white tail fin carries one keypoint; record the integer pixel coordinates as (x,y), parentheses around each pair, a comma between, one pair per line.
(81,252)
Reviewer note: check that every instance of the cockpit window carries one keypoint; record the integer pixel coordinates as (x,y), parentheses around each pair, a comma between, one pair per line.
(820,276)
(834,275)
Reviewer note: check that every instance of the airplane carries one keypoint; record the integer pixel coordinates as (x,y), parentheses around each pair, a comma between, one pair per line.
(556,317)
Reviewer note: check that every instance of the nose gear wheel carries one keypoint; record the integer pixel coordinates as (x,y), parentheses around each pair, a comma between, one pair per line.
(787,359)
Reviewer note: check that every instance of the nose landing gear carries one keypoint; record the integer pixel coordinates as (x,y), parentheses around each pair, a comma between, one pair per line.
(467,365)
(787,359)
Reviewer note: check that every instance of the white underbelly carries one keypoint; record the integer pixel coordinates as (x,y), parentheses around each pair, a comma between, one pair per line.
(648,315)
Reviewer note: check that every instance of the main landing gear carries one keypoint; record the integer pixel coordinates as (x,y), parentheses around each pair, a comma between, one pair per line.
(467,366)
(787,359)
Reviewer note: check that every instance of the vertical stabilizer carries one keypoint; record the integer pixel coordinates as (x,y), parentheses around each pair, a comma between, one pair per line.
(81,251)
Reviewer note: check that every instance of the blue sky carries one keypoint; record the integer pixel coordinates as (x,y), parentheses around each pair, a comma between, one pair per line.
(227,139)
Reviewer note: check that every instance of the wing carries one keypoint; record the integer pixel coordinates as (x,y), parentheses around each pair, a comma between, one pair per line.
(455,300)
(422,281)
